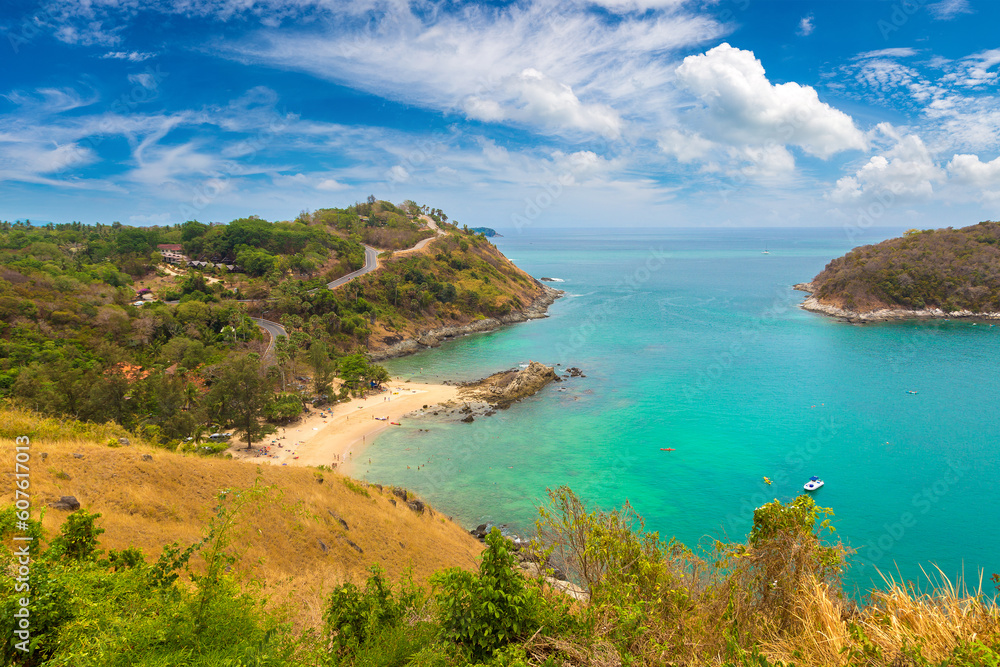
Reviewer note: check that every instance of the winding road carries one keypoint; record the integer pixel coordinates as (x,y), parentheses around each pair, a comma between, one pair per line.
(371,263)
(272,328)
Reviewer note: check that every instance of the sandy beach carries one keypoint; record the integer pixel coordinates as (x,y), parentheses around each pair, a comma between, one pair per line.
(341,432)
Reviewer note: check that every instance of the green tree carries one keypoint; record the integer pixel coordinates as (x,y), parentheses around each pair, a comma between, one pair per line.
(324,368)
(254,261)
(191,230)
(353,368)
(240,395)
(133,240)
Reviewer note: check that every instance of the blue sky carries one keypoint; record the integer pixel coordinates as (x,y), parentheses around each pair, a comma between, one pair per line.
(508,114)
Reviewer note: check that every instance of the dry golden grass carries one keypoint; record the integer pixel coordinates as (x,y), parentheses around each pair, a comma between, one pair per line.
(937,620)
(293,545)
(896,618)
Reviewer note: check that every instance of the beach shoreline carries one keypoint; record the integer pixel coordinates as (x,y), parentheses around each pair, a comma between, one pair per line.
(337,434)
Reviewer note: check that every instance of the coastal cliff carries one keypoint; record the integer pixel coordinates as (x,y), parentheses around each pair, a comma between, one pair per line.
(388,348)
(944,273)
(811,303)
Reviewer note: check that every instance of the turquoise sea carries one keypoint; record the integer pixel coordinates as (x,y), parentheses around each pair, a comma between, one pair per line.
(692,340)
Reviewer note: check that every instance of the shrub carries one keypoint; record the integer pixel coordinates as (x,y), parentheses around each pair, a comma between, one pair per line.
(487,610)
(78,539)
(354,616)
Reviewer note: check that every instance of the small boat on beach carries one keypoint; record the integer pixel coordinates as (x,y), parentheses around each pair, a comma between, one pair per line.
(813,483)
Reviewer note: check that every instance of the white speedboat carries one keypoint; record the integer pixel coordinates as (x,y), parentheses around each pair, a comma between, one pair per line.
(813,483)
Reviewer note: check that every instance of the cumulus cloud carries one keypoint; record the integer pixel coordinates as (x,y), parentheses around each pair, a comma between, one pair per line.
(742,106)
(984,177)
(533,98)
(906,170)
(684,146)
(971,170)
(478,108)
(330,185)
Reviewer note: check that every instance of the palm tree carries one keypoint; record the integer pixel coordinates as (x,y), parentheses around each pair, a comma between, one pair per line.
(190,393)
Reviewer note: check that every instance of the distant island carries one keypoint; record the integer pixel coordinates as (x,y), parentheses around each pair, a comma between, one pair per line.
(922,274)
(485,231)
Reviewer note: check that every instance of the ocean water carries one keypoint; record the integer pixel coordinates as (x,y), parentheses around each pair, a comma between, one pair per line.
(692,340)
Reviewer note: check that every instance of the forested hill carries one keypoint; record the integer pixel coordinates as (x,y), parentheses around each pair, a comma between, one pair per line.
(150,326)
(949,269)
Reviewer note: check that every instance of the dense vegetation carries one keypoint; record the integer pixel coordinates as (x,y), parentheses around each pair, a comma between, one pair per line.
(77,339)
(950,269)
(465,278)
(772,600)
(378,223)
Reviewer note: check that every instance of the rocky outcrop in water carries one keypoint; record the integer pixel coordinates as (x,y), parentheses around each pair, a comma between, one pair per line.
(507,387)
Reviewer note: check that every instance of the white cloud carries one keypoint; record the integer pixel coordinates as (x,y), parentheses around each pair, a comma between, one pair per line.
(144,79)
(398,174)
(37,159)
(637,5)
(984,177)
(51,100)
(161,165)
(330,185)
(806,26)
(898,52)
(477,108)
(771,162)
(131,56)
(581,166)
(685,147)
(949,9)
(743,107)
(535,99)
(484,60)
(974,71)
(906,170)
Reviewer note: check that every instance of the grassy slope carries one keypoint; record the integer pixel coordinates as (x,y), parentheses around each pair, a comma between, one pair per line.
(502,287)
(152,503)
(951,269)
